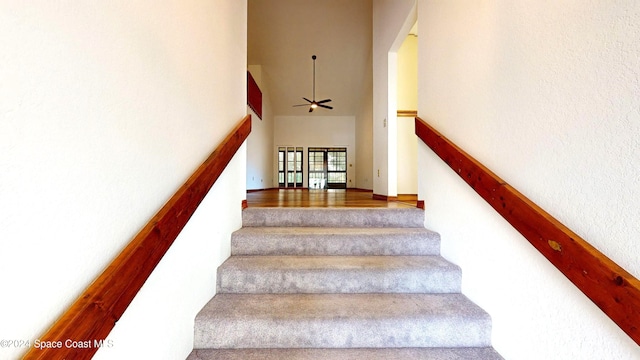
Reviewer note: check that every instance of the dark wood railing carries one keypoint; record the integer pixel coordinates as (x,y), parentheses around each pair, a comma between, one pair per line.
(608,285)
(96,311)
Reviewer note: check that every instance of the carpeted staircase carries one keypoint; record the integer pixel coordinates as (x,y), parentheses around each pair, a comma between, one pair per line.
(339,283)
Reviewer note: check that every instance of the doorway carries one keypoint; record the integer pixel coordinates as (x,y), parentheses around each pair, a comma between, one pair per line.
(327,168)
(290,167)
(407,105)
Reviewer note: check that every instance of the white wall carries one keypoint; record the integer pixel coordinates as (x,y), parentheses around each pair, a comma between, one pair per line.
(407,145)
(364,142)
(364,130)
(260,142)
(544,94)
(317,131)
(105,110)
(392,20)
(407,99)
(408,74)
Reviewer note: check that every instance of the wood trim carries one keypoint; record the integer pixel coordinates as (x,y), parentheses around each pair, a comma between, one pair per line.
(614,290)
(360,190)
(384,197)
(245,204)
(420,204)
(407,113)
(407,197)
(303,188)
(256,190)
(95,312)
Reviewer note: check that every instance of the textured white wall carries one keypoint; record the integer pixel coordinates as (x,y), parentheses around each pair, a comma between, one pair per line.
(407,156)
(407,94)
(105,110)
(260,156)
(546,95)
(408,74)
(317,131)
(159,322)
(364,142)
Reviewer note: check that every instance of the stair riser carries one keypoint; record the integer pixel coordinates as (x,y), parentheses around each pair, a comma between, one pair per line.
(345,333)
(333,217)
(341,321)
(335,282)
(338,274)
(336,244)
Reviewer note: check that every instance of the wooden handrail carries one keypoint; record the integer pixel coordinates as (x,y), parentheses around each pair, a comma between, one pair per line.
(92,316)
(614,290)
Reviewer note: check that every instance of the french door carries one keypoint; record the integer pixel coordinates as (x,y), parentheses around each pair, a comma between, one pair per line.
(290,166)
(327,168)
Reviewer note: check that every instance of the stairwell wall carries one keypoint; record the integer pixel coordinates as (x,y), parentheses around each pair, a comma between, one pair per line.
(106,109)
(364,136)
(261,153)
(545,95)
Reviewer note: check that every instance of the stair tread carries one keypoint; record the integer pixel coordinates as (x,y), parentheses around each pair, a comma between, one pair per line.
(334,241)
(341,320)
(476,353)
(338,274)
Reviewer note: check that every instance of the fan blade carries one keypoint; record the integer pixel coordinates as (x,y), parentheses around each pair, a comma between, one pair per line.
(310,102)
(323,101)
(325,106)
(310,109)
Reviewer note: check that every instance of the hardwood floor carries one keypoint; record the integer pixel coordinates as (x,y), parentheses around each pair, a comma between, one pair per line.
(319,198)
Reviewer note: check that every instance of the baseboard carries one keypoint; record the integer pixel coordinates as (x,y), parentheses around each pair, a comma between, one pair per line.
(305,188)
(400,197)
(277,188)
(407,197)
(384,197)
(256,190)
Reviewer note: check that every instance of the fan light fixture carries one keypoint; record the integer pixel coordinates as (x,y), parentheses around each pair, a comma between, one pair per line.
(313,104)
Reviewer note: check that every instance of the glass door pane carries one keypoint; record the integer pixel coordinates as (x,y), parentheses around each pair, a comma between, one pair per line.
(327,168)
(298,167)
(337,168)
(281,167)
(290,167)
(317,169)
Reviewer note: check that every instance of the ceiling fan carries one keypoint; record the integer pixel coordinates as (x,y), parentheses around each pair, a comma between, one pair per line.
(313,104)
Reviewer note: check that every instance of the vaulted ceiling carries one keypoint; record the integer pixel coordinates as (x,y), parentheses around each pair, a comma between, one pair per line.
(284,34)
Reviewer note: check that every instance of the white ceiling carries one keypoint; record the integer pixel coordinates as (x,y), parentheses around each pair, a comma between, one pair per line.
(284,34)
